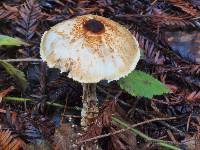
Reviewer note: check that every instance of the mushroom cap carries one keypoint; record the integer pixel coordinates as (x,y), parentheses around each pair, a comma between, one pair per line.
(91,48)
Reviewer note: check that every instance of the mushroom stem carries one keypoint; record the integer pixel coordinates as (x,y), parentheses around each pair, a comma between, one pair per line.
(90,104)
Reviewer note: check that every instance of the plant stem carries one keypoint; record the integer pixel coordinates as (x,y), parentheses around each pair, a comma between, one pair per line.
(90,104)
(147,138)
(21,99)
(18,99)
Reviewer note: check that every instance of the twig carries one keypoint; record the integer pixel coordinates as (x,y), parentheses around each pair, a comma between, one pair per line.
(65,108)
(147,138)
(5,111)
(163,123)
(71,116)
(123,130)
(23,60)
(2,111)
(154,2)
(188,122)
(170,134)
(167,103)
(112,96)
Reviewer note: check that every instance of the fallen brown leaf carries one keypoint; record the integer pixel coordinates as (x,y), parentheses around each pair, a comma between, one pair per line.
(3,93)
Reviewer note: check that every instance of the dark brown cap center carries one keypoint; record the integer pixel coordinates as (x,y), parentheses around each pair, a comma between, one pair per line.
(94,26)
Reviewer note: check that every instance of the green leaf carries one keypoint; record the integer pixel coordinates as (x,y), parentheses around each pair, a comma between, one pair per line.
(10,41)
(15,73)
(139,83)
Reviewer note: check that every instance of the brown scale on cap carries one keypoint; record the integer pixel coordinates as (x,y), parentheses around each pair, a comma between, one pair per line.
(94,26)
(93,30)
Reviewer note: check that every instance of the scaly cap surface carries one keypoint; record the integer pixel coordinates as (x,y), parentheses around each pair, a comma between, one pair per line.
(91,48)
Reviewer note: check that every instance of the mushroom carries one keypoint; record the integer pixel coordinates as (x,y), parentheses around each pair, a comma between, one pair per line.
(90,48)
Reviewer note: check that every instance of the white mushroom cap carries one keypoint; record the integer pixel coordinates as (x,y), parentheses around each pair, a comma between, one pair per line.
(91,48)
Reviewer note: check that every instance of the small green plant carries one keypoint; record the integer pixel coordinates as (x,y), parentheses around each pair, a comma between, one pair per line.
(138,83)
(10,69)
(15,73)
(10,41)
